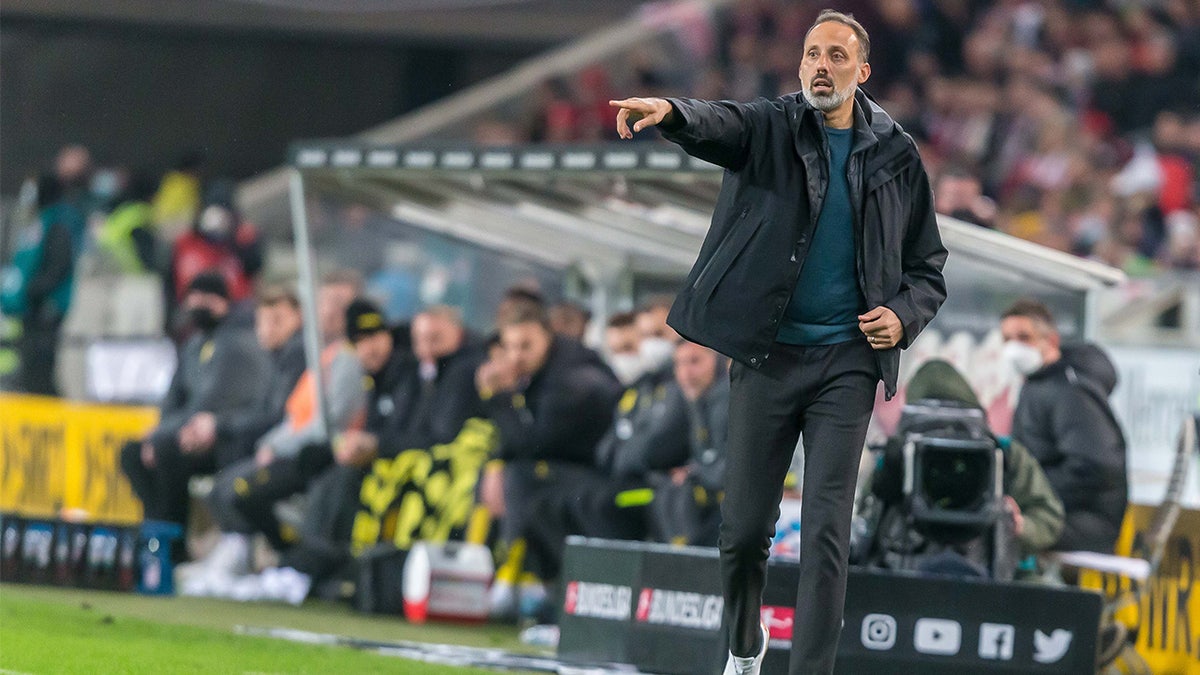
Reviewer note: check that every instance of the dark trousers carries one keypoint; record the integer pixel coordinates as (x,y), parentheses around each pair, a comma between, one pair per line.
(245,494)
(163,488)
(38,351)
(328,523)
(579,500)
(827,393)
(544,502)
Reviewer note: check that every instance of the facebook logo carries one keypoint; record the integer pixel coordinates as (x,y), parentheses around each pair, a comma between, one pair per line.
(996,641)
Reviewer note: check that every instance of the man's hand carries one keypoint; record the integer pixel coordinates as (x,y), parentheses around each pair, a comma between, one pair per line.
(264,455)
(148,459)
(494,376)
(679,475)
(642,112)
(491,490)
(1018,519)
(357,448)
(882,328)
(199,434)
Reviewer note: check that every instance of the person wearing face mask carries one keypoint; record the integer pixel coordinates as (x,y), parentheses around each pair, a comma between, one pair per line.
(1064,418)
(219,240)
(649,429)
(222,372)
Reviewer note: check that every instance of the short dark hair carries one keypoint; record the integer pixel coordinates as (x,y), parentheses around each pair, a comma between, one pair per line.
(524,312)
(621,320)
(1030,309)
(864,40)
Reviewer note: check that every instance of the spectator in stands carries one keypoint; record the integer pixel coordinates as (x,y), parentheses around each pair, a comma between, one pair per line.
(569,319)
(221,371)
(551,399)
(1064,418)
(176,204)
(129,238)
(219,240)
(959,194)
(1035,512)
(292,454)
(46,266)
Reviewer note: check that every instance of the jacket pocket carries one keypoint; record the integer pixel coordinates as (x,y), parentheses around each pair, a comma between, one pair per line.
(726,254)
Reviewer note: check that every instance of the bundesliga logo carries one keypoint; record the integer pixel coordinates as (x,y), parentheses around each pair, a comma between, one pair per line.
(598,601)
(681,609)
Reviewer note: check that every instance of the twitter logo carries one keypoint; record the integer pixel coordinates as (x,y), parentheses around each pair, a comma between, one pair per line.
(1053,647)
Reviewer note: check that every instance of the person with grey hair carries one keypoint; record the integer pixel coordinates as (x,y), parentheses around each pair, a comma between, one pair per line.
(823,261)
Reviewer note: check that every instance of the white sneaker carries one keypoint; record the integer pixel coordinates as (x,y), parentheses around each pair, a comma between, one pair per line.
(231,555)
(748,665)
(285,584)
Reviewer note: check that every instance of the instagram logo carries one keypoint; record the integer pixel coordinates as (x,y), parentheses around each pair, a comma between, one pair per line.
(878,632)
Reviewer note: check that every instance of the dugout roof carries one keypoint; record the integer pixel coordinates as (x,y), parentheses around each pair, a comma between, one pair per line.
(641,207)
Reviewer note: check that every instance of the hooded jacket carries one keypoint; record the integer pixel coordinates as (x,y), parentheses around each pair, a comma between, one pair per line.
(1064,418)
(776,174)
(564,410)
(1024,479)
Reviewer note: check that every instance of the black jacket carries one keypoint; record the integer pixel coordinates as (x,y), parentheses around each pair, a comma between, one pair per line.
(649,430)
(563,412)
(776,161)
(439,407)
(709,433)
(1064,418)
(391,396)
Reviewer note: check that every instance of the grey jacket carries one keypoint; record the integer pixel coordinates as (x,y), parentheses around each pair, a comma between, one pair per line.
(223,373)
(345,398)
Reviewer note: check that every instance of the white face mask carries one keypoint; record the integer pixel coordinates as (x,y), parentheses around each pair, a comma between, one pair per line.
(1023,358)
(656,352)
(627,367)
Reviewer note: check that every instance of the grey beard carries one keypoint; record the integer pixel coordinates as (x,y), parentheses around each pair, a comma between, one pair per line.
(827,102)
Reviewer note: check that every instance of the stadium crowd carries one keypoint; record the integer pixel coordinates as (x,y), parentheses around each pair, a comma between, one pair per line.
(1072,124)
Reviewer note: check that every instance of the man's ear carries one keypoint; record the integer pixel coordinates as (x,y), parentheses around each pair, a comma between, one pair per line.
(864,72)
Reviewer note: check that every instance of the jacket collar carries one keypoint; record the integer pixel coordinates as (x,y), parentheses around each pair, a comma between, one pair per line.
(872,124)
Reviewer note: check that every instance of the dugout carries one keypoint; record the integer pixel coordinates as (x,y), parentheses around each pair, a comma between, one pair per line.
(605,226)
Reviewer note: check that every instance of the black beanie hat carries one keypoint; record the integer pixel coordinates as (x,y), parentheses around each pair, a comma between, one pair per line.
(363,318)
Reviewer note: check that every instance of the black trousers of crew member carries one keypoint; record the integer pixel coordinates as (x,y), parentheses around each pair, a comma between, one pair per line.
(549,491)
(580,501)
(163,488)
(827,393)
(245,494)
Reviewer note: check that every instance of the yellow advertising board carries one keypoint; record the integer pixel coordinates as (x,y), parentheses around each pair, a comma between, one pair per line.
(58,455)
(1168,618)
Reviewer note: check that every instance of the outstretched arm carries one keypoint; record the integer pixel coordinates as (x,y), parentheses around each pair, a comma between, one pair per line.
(714,131)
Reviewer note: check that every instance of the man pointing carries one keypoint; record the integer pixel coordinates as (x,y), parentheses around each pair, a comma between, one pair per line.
(822,262)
